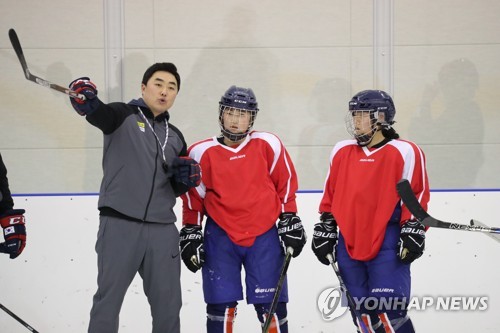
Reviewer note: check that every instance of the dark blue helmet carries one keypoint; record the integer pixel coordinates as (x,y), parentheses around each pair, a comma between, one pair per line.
(374,100)
(237,98)
(240,98)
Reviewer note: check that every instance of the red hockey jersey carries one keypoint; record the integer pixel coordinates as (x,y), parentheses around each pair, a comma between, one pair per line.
(243,189)
(360,190)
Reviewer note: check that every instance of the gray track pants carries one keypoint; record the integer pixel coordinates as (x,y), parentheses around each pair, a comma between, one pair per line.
(124,248)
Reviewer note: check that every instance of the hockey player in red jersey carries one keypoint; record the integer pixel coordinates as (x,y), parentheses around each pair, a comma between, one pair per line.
(248,183)
(377,237)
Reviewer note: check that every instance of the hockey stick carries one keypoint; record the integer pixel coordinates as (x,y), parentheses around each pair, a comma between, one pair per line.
(350,300)
(14,40)
(494,236)
(277,292)
(13,315)
(406,193)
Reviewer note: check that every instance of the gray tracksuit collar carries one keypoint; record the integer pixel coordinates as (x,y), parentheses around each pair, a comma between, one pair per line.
(147,112)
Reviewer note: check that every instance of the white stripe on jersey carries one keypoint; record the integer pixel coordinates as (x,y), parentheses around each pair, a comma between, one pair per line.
(273,141)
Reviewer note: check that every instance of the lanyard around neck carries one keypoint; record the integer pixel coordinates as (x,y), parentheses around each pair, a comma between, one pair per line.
(156,136)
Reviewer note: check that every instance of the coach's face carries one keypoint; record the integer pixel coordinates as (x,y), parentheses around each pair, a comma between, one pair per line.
(160,92)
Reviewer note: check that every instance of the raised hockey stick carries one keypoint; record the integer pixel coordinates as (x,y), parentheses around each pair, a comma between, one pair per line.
(277,292)
(350,300)
(13,315)
(14,40)
(406,193)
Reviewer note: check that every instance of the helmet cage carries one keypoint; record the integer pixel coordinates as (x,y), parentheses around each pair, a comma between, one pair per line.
(375,102)
(350,124)
(226,132)
(238,100)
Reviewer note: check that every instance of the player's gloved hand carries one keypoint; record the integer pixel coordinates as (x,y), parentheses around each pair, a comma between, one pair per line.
(14,232)
(186,171)
(84,86)
(411,241)
(291,232)
(325,238)
(191,243)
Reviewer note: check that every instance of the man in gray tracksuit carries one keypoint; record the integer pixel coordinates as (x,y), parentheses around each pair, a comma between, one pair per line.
(145,169)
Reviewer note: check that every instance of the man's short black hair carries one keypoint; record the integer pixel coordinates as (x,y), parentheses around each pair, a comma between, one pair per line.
(164,67)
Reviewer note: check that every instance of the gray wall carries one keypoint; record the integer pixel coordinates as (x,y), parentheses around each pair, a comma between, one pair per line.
(304,62)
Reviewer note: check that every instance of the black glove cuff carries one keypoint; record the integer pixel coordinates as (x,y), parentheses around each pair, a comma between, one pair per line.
(328,219)
(11,212)
(287,215)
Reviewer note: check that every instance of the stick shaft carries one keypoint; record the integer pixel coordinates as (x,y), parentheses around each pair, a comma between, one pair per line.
(277,292)
(350,300)
(13,315)
(16,44)
(410,200)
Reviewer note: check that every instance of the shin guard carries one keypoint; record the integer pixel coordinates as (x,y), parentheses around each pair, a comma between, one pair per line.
(279,322)
(396,322)
(220,317)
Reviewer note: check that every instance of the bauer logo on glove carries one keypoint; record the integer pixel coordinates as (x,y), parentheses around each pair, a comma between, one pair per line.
(191,246)
(411,241)
(291,233)
(325,237)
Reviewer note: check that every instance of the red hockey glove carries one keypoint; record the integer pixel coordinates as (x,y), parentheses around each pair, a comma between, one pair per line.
(85,87)
(14,232)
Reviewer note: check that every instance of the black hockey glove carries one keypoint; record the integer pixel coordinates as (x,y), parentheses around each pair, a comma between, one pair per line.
(325,238)
(411,241)
(291,232)
(186,171)
(191,243)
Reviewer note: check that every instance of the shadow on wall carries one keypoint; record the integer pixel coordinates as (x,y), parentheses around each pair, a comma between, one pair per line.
(47,131)
(132,68)
(235,59)
(327,108)
(449,126)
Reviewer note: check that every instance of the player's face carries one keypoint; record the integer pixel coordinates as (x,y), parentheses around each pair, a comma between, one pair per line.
(160,92)
(236,120)
(363,122)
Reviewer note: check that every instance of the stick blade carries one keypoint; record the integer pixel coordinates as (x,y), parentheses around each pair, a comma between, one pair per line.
(14,40)
(493,233)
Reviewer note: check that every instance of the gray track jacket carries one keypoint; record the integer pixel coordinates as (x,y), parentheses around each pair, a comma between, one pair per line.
(135,185)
